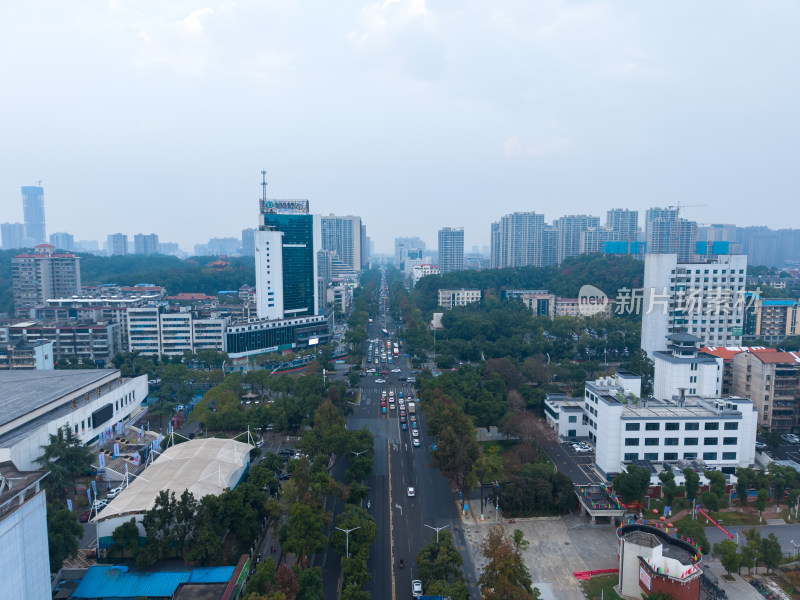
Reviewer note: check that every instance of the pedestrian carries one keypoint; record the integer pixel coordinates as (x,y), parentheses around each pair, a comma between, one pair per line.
(272,549)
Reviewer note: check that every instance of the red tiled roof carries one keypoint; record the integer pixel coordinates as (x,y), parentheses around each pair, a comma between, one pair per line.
(779,357)
(728,352)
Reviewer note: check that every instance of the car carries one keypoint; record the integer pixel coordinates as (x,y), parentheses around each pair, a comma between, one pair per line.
(411,492)
(180,408)
(391,405)
(380,381)
(260,444)
(415,432)
(397,370)
(383,409)
(113,493)
(402,412)
(761,446)
(402,418)
(415,442)
(383,402)
(403,426)
(416,588)
(790,438)
(84,518)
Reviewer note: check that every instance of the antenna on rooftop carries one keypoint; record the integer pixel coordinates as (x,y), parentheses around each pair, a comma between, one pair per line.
(264,185)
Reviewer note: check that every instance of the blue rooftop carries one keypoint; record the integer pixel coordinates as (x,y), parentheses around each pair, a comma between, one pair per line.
(778,302)
(103,581)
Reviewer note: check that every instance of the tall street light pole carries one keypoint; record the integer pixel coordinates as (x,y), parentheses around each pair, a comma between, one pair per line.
(347,538)
(436,529)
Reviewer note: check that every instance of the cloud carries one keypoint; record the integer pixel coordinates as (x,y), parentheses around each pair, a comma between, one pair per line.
(515,146)
(192,23)
(379,21)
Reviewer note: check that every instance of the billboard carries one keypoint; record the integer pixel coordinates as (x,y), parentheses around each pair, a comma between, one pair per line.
(313,341)
(102,415)
(645,578)
(287,207)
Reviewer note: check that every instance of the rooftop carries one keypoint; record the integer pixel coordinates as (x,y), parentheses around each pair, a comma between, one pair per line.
(728,352)
(103,581)
(13,482)
(693,407)
(25,391)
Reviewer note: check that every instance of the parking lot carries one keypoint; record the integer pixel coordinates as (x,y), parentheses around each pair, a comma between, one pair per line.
(575,464)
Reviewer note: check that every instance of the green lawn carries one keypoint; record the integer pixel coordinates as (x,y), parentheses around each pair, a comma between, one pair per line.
(728,519)
(501,445)
(601,585)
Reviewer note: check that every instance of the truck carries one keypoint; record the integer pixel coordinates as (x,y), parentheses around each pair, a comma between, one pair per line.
(412,408)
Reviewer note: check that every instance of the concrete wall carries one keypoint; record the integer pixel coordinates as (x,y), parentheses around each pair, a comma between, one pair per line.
(24,553)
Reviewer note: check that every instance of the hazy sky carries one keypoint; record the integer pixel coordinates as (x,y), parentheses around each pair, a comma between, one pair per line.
(153,116)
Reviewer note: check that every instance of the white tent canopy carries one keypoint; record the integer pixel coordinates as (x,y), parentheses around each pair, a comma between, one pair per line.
(204,466)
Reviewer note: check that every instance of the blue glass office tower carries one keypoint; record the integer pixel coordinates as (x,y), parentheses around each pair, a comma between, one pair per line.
(33,212)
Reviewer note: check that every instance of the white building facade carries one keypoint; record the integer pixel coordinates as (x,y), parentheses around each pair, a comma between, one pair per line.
(705,299)
(462,297)
(682,367)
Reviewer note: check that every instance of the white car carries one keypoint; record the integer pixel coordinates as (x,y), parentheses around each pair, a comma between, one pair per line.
(380,381)
(411,493)
(113,493)
(415,433)
(397,370)
(416,588)
(415,443)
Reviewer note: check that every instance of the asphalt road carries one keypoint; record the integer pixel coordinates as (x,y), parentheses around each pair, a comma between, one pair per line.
(401,519)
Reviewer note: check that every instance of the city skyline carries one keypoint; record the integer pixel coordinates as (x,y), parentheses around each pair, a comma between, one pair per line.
(165,109)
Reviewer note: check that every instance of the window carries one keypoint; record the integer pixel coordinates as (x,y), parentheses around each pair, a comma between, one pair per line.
(631,456)
(729,441)
(670,456)
(671,442)
(709,456)
(672,426)
(651,455)
(631,426)
(690,456)
(690,442)
(729,456)
(692,426)
(712,426)
(651,441)
(710,441)
(732,426)
(573,419)
(652,426)
(631,441)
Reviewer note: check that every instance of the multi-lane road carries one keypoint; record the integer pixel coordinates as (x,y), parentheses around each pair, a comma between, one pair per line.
(401,519)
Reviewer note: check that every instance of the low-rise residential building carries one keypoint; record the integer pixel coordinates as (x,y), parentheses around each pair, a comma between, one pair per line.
(462,297)
(771,320)
(625,428)
(772,381)
(575,307)
(92,343)
(157,330)
(683,367)
(30,356)
(726,353)
(423,270)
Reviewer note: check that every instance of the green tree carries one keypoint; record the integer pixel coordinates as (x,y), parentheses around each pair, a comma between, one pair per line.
(262,580)
(304,532)
(310,582)
(66,458)
(520,543)
(745,479)
(488,468)
(63,531)
(771,552)
(761,501)
(632,485)
(125,536)
(640,364)
(440,568)
(353,516)
(696,531)
(668,486)
(728,553)
(692,484)
(711,501)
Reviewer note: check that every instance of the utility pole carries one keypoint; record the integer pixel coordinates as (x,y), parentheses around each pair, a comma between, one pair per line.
(347,538)
(436,529)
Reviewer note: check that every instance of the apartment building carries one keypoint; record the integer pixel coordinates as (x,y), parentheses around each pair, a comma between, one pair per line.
(772,381)
(462,297)
(93,343)
(27,356)
(771,320)
(154,330)
(43,274)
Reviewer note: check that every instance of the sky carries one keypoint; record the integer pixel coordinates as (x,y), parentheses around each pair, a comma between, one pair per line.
(150,116)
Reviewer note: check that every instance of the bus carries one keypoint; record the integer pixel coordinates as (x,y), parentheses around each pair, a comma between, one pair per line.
(412,408)
(396,349)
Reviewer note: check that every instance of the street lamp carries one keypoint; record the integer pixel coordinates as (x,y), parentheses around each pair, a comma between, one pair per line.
(436,529)
(347,538)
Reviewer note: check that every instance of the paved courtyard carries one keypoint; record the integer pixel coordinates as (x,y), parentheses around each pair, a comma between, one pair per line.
(558,548)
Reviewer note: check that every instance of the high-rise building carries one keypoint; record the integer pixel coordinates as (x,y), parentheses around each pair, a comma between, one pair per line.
(117,244)
(286,260)
(13,235)
(666,233)
(403,244)
(145,244)
(570,228)
(342,235)
(705,299)
(168,248)
(33,213)
(249,242)
(41,275)
(550,246)
(451,249)
(364,246)
(517,240)
(62,241)
(625,222)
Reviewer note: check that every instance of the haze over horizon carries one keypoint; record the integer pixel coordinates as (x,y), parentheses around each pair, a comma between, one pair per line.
(153,117)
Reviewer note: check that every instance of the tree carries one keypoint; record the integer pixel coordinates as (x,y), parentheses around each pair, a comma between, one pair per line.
(771,552)
(695,530)
(310,582)
(692,483)
(668,486)
(261,581)
(505,576)
(125,536)
(728,553)
(63,531)
(304,532)
(353,516)
(642,365)
(711,501)
(632,485)
(716,482)
(773,440)
(761,501)
(66,458)
(520,543)
(488,468)
(439,568)
(745,478)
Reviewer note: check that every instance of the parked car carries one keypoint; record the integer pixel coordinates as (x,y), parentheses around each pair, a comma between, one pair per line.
(416,588)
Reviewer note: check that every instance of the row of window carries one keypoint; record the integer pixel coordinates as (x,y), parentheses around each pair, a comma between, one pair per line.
(688,426)
(674,456)
(692,441)
(118,404)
